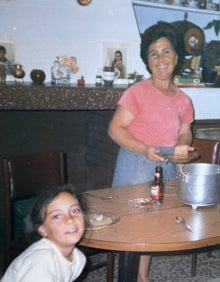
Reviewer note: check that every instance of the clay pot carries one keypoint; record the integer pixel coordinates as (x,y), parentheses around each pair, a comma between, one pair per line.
(38,76)
(84,2)
(17,71)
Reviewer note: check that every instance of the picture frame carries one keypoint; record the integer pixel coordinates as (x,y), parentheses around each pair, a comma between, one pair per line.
(10,52)
(109,49)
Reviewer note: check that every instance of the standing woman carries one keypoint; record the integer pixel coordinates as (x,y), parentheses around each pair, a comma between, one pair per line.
(153,117)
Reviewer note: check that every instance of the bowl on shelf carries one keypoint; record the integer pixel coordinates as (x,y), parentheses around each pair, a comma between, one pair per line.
(37,76)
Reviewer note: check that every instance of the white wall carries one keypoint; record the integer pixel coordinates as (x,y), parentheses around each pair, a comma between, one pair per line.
(43,29)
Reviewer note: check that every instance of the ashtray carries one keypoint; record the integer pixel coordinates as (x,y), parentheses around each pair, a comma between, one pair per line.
(144,204)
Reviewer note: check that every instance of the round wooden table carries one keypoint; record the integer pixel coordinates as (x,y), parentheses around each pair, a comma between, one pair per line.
(149,231)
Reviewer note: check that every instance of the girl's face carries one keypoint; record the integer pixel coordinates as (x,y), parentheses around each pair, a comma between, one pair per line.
(162,59)
(117,57)
(64,222)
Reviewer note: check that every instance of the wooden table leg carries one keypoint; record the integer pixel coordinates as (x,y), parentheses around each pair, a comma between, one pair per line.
(128,266)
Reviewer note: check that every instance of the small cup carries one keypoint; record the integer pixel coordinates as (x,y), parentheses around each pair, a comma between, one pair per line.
(177,2)
(192,3)
(109,74)
(209,76)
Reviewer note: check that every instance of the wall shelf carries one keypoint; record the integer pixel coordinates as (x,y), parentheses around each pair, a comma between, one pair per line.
(174,7)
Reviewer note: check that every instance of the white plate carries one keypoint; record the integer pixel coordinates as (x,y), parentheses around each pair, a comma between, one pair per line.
(100,220)
(144,204)
(178,159)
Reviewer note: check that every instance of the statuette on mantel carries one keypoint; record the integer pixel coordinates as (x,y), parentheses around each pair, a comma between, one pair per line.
(17,71)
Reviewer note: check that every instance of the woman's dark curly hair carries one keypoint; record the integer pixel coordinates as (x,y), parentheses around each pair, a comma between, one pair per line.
(155,32)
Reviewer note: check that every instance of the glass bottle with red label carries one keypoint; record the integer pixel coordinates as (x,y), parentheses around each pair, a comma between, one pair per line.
(157,186)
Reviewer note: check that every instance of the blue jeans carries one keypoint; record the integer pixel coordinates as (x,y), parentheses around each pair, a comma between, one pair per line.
(132,168)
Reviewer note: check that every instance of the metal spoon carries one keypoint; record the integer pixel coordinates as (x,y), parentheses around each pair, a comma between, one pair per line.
(183,222)
(98,196)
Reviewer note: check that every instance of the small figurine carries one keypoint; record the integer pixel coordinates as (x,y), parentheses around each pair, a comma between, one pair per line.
(69,61)
(62,69)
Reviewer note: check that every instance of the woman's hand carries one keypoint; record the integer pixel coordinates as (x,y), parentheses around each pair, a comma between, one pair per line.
(183,150)
(185,138)
(153,154)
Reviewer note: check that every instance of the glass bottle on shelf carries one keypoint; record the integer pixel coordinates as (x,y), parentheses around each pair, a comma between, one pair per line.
(55,72)
(202,4)
(2,73)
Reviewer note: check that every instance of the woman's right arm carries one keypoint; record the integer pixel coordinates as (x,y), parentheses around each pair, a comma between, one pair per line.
(118,131)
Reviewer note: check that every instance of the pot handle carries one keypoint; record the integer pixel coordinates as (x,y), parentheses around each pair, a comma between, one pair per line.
(181,169)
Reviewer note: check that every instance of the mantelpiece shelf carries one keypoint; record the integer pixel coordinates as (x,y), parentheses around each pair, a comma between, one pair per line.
(174,7)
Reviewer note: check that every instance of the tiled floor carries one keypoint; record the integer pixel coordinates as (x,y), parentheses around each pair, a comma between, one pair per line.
(174,269)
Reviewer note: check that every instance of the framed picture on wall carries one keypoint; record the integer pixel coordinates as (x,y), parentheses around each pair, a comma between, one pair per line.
(113,51)
(10,53)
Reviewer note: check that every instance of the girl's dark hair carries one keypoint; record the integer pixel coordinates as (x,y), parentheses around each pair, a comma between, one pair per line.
(2,48)
(39,209)
(118,52)
(155,32)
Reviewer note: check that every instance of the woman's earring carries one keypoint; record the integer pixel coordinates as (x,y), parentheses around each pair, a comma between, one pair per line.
(176,60)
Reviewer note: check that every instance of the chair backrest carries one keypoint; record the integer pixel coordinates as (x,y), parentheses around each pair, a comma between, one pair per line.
(25,176)
(208,149)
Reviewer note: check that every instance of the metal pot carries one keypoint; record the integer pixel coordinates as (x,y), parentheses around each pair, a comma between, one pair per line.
(199,184)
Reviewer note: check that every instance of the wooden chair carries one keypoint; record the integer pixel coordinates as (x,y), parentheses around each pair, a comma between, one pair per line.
(210,153)
(24,177)
(208,149)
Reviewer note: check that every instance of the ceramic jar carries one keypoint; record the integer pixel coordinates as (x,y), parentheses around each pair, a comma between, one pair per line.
(38,76)
(17,71)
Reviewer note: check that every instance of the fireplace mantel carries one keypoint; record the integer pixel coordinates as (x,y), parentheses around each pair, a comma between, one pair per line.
(29,96)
